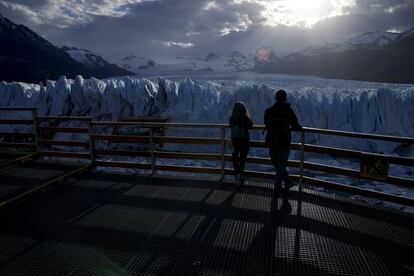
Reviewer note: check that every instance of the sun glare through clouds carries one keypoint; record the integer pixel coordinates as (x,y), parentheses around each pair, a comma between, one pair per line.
(304,13)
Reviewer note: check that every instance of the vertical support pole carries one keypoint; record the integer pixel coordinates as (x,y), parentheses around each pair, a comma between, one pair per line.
(152,149)
(302,158)
(223,150)
(299,208)
(91,143)
(36,130)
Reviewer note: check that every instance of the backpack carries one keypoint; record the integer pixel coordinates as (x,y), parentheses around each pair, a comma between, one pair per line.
(278,133)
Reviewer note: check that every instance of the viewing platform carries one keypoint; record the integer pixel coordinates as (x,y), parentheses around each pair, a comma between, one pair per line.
(74,218)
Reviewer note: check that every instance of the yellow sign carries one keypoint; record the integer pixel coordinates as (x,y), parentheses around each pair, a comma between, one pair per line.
(374,166)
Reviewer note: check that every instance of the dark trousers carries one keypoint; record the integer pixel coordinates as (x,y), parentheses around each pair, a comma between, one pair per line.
(279,157)
(241,149)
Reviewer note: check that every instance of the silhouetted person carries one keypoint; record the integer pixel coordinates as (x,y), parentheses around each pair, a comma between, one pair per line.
(240,123)
(279,120)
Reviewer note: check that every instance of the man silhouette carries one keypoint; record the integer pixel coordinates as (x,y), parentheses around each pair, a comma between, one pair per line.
(279,120)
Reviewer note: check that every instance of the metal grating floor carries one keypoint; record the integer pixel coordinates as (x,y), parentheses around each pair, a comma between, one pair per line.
(23,177)
(108,224)
(6,156)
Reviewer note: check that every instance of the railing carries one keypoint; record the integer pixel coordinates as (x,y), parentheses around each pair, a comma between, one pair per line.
(151,153)
(86,143)
(26,122)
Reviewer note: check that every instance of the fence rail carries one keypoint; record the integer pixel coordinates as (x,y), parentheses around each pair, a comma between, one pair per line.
(15,122)
(152,154)
(63,129)
(17,108)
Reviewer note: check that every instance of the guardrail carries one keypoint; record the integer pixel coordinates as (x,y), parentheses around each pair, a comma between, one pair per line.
(152,154)
(86,129)
(32,122)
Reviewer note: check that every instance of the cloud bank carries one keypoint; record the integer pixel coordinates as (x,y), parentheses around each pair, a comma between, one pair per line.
(162,28)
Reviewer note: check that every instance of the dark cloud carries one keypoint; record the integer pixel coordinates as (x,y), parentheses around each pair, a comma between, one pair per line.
(170,27)
(172,20)
(369,15)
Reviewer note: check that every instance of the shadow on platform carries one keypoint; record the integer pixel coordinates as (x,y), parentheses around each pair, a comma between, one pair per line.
(123,224)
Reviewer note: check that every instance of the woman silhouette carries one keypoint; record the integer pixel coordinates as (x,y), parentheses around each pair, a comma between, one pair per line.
(240,123)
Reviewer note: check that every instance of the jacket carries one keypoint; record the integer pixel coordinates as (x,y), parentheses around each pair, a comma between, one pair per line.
(280,119)
(240,127)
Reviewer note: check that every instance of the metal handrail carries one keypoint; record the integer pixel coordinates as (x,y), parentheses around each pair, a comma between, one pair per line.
(301,164)
(66,118)
(17,108)
(390,138)
(35,134)
(222,157)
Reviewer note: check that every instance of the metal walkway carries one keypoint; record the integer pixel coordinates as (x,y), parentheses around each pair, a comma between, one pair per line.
(108,224)
(21,178)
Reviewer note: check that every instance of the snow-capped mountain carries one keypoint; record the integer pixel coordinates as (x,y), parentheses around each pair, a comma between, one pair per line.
(239,61)
(371,40)
(233,61)
(26,56)
(95,62)
(374,56)
(134,63)
(84,56)
(141,65)
(404,40)
(406,35)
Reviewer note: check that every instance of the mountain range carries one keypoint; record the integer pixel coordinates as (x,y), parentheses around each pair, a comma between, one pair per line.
(27,57)
(373,56)
(233,61)
(99,67)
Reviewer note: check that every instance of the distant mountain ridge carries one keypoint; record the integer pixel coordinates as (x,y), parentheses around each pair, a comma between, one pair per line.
(26,56)
(212,61)
(94,62)
(371,40)
(134,63)
(373,56)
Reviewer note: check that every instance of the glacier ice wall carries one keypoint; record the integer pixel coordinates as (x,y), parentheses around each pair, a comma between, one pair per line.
(381,110)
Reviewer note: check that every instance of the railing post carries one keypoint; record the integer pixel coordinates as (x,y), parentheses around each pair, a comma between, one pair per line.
(152,149)
(91,143)
(302,158)
(223,150)
(36,131)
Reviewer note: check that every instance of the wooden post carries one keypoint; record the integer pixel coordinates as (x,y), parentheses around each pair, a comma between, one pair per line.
(36,131)
(223,151)
(302,158)
(152,149)
(91,143)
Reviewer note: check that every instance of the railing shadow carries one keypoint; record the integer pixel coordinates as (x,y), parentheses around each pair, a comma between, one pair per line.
(195,233)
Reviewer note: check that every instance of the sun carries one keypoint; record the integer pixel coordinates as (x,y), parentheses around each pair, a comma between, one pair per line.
(303,13)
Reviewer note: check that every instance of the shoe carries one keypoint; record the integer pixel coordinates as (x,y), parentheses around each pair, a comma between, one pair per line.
(289,185)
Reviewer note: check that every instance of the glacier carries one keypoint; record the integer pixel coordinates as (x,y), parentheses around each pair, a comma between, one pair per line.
(332,104)
(377,108)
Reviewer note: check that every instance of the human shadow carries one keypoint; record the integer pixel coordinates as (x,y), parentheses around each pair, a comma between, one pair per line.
(181,227)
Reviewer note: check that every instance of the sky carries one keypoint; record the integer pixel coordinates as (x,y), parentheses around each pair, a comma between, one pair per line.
(166,28)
